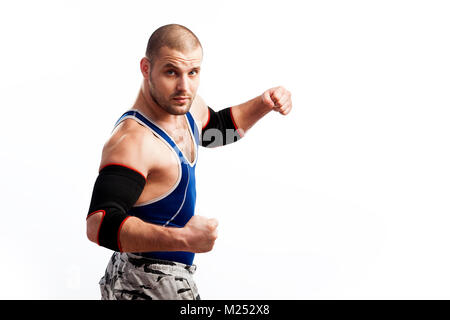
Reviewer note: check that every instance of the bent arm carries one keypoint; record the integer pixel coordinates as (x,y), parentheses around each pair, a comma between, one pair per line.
(109,224)
(116,190)
(135,235)
(230,124)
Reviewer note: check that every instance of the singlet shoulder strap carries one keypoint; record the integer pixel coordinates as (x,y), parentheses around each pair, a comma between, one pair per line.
(139,117)
(147,122)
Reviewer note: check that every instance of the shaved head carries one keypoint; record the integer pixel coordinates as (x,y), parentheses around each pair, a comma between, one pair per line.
(173,36)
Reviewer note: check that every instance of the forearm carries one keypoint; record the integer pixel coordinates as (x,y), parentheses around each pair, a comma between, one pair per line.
(136,235)
(248,113)
(216,126)
(139,236)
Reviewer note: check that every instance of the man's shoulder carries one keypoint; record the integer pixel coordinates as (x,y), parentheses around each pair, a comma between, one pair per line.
(129,133)
(129,144)
(199,110)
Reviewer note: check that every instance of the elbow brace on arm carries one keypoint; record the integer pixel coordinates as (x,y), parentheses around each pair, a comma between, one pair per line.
(116,190)
(220,129)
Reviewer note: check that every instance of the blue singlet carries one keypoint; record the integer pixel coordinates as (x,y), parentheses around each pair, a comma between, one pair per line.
(177,206)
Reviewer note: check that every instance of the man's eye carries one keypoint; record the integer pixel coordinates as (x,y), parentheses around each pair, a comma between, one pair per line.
(170,72)
(193,72)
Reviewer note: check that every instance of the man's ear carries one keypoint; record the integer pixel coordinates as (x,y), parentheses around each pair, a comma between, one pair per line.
(145,68)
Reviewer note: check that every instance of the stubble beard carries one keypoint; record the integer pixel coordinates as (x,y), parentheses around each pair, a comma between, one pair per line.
(166,105)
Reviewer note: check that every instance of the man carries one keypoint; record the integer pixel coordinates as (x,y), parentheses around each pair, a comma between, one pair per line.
(143,201)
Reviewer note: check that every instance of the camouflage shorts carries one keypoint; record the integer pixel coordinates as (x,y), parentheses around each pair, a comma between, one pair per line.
(132,277)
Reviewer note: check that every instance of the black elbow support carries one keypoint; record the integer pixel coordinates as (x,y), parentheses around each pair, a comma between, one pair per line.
(116,190)
(220,129)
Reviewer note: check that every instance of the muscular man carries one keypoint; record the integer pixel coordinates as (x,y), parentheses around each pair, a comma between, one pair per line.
(143,200)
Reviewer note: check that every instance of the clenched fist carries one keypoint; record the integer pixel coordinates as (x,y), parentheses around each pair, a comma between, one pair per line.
(279,99)
(200,233)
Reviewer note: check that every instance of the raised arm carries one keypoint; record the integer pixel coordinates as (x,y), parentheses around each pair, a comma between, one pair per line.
(123,173)
(248,113)
(230,124)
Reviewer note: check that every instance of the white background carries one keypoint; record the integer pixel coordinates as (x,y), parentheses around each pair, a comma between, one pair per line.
(347,197)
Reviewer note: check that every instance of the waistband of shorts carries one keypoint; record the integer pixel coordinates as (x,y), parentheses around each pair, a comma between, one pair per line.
(145,263)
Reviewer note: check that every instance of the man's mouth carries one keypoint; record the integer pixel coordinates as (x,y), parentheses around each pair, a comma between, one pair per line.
(182,99)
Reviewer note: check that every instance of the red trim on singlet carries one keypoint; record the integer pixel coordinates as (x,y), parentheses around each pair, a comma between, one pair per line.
(206,121)
(101,221)
(125,166)
(234,123)
(118,233)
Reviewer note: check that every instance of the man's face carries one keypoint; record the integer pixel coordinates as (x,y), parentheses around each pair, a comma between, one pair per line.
(174,79)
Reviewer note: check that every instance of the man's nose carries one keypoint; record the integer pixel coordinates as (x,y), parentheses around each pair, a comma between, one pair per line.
(182,84)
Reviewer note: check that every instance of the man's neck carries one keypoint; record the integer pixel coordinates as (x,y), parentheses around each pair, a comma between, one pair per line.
(146,105)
